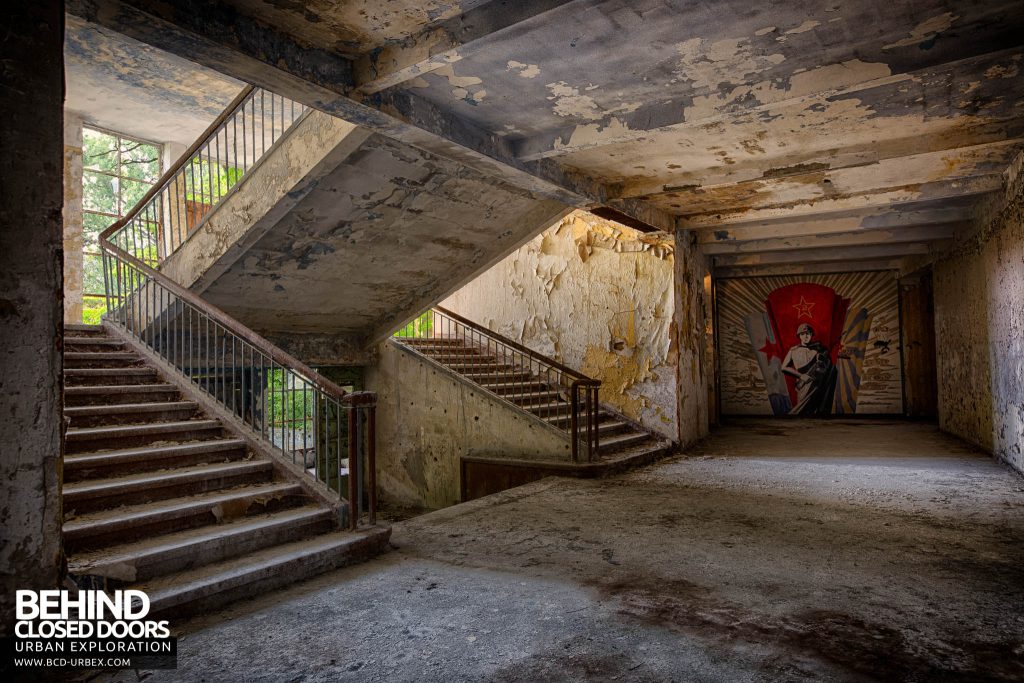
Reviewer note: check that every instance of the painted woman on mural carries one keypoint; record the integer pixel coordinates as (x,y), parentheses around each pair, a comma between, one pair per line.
(810,362)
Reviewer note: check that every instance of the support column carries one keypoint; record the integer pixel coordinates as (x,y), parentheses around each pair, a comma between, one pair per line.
(31,304)
(689,328)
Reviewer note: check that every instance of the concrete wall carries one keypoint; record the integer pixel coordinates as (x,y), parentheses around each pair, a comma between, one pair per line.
(31,307)
(691,328)
(73,259)
(427,420)
(979,327)
(596,296)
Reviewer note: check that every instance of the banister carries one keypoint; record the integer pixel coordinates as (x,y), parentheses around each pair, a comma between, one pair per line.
(540,358)
(165,179)
(273,352)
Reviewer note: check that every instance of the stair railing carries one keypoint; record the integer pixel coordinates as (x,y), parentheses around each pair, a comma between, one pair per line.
(181,200)
(515,373)
(328,432)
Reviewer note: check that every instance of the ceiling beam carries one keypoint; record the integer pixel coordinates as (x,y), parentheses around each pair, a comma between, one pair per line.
(219,37)
(895,264)
(978,139)
(915,192)
(691,112)
(861,253)
(848,239)
(842,222)
(444,43)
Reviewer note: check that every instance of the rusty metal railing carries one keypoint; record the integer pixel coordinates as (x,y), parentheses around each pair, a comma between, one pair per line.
(310,420)
(529,380)
(232,146)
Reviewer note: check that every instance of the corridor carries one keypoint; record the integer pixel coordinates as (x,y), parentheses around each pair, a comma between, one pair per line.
(754,557)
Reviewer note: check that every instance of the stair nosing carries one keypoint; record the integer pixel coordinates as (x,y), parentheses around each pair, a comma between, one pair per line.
(115,408)
(84,433)
(211,446)
(178,475)
(125,515)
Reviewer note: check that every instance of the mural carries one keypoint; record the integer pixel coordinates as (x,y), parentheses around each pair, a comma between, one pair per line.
(810,346)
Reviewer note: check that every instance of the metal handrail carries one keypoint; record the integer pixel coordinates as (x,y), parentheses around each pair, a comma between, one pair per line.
(245,373)
(230,148)
(518,375)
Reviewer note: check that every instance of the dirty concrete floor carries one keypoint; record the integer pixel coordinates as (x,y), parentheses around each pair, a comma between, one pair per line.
(854,550)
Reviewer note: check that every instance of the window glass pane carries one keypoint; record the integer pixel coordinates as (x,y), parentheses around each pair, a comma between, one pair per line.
(131,192)
(92,280)
(99,192)
(99,150)
(140,161)
(93,225)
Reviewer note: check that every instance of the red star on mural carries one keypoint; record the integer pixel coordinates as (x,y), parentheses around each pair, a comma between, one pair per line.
(803,308)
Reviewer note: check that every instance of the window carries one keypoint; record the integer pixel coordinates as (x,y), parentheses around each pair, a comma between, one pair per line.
(117,173)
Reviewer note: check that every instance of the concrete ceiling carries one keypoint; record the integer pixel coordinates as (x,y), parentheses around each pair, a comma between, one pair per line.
(130,87)
(787,135)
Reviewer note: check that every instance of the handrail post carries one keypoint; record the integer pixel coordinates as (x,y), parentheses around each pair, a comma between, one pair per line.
(574,406)
(371,461)
(353,468)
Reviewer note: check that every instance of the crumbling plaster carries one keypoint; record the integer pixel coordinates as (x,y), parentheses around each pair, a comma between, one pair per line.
(431,419)
(596,296)
(72,214)
(979,326)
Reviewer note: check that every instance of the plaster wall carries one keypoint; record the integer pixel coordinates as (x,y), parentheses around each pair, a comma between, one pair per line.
(428,420)
(596,296)
(73,259)
(31,306)
(979,327)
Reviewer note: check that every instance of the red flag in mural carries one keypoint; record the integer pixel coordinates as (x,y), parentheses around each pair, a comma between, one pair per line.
(808,361)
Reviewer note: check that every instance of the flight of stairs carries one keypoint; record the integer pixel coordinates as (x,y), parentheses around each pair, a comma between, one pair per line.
(616,436)
(161,498)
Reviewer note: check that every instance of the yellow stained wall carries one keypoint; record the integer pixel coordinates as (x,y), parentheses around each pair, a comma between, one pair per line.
(596,296)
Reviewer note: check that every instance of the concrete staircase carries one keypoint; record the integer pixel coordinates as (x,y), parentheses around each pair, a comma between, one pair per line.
(161,498)
(617,436)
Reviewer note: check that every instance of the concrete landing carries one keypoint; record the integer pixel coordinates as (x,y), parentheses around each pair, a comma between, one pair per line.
(780,551)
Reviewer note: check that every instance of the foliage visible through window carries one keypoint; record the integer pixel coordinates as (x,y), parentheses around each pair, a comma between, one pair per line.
(290,408)
(422,326)
(117,173)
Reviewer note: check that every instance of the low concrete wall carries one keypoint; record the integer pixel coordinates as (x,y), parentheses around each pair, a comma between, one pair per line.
(979,327)
(427,420)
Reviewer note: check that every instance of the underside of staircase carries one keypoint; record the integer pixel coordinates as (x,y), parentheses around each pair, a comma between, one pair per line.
(621,441)
(162,498)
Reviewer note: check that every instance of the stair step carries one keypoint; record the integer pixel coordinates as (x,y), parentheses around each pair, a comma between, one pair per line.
(119,394)
(511,387)
(133,522)
(420,341)
(89,496)
(82,329)
(95,438)
(135,460)
(94,343)
(183,550)
(467,368)
(128,413)
(552,408)
(522,400)
(107,376)
(100,359)
(612,427)
(215,585)
(564,419)
(620,441)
